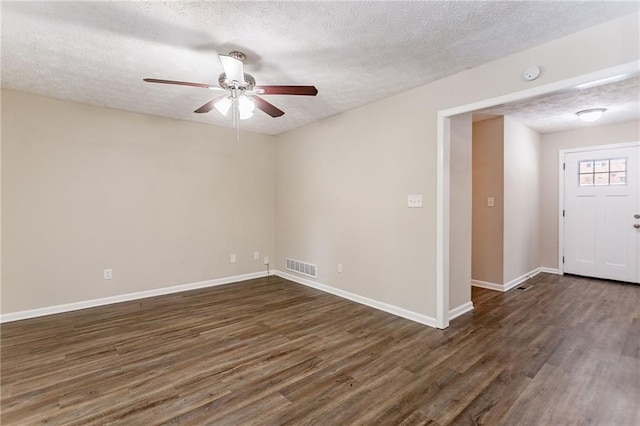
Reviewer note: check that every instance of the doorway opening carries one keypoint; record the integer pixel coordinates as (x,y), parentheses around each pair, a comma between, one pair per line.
(445,262)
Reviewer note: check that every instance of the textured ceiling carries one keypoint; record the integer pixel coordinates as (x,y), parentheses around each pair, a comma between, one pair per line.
(557,112)
(353,52)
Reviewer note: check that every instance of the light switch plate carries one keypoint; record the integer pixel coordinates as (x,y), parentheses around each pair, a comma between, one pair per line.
(491,202)
(414,200)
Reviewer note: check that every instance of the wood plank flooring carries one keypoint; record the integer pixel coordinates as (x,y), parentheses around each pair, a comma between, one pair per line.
(271,352)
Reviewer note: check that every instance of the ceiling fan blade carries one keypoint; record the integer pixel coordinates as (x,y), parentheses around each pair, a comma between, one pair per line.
(265,106)
(287,90)
(233,68)
(209,105)
(181,83)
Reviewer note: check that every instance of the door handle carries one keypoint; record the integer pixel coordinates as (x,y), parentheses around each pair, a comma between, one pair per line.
(636,225)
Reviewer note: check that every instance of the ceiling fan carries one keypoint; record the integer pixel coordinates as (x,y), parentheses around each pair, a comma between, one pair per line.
(238,91)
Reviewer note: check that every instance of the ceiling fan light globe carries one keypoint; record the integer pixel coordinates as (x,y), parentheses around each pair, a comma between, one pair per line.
(223,105)
(245,107)
(246,115)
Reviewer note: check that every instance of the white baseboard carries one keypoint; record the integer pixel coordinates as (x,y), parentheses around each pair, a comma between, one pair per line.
(487,285)
(50,310)
(555,271)
(513,283)
(460,310)
(522,278)
(392,309)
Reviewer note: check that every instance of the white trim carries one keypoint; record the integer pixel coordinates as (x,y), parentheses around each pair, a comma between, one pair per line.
(522,278)
(560,209)
(487,285)
(601,147)
(443,166)
(460,310)
(442,222)
(50,310)
(392,309)
(511,284)
(561,178)
(555,271)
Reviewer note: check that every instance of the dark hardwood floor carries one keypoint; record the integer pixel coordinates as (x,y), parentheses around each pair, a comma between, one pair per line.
(271,352)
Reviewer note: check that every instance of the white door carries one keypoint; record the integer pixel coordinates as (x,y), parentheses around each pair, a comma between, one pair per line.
(602,213)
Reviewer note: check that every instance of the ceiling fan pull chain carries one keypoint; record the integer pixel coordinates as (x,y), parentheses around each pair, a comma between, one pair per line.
(237,128)
(236,116)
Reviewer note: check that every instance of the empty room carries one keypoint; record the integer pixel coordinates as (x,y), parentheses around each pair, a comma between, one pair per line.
(331,213)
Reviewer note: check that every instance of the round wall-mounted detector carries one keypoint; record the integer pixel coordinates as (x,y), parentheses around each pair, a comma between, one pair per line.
(531,73)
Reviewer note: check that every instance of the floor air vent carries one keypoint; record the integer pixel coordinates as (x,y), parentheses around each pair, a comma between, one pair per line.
(524,287)
(301,267)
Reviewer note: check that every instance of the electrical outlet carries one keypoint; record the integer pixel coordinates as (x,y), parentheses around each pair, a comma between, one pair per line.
(414,200)
(107,274)
(232,258)
(339,268)
(256,255)
(266,260)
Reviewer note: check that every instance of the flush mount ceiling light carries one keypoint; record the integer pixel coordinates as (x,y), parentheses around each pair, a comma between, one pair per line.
(591,115)
(238,91)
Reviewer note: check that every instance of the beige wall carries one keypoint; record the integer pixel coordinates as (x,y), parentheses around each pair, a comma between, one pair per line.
(1,258)
(460,205)
(552,143)
(162,202)
(338,202)
(488,181)
(165,202)
(506,166)
(521,200)
(342,183)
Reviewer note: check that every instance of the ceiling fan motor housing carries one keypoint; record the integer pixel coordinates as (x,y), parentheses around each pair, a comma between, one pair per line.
(238,55)
(226,84)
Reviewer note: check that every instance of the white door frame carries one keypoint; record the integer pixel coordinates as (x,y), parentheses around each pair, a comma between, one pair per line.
(443,168)
(561,177)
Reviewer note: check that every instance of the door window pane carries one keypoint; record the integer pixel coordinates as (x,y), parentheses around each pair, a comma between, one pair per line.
(586,167)
(601,166)
(618,178)
(618,165)
(602,172)
(601,179)
(586,180)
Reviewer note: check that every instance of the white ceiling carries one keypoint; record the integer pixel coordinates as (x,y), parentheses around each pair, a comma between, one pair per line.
(353,52)
(557,112)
